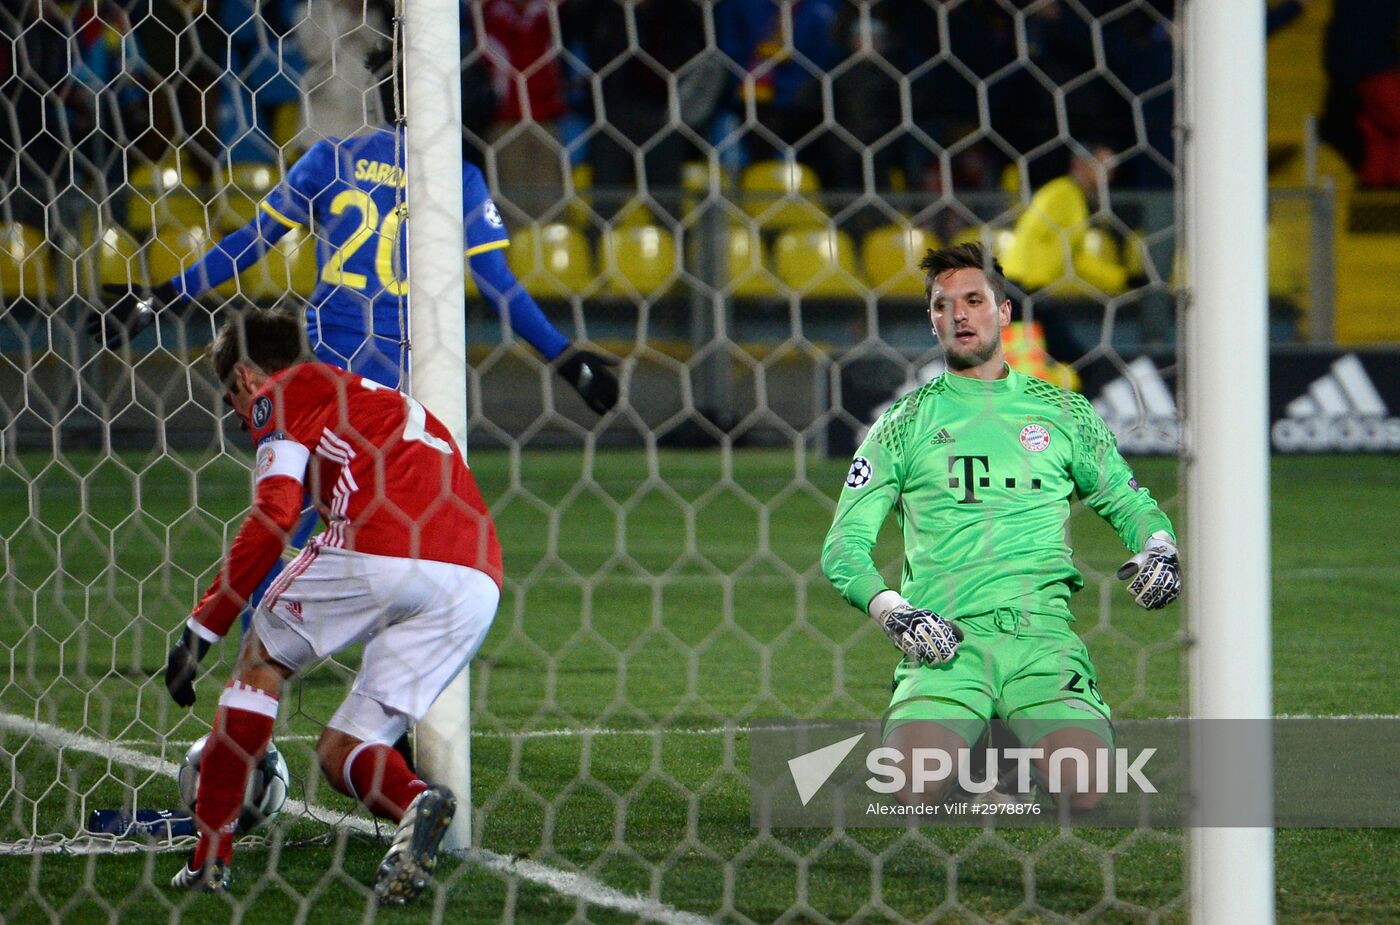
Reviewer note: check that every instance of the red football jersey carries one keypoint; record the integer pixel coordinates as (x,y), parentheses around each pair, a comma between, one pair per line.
(386,476)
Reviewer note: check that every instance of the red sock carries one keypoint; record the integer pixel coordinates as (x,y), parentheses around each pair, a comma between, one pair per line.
(379,778)
(242,730)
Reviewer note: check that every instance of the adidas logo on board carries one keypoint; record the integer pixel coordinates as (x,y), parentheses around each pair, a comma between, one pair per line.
(1146,426)
(1341,411)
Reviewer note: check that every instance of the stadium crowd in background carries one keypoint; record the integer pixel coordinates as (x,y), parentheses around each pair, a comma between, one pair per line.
(233,80)
(632,91)
(540,57)
(1362,114)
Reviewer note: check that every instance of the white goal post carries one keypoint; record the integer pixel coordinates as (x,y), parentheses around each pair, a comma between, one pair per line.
(437,320)
(1227,451)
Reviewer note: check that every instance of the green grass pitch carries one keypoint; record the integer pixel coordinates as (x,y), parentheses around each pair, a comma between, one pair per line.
(655,601)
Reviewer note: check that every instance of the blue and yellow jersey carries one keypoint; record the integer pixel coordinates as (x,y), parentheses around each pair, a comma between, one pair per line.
(351,191)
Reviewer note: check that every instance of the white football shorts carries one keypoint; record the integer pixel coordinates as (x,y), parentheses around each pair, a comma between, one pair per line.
(421,622)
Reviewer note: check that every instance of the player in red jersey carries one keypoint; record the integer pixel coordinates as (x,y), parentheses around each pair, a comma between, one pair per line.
(408,564)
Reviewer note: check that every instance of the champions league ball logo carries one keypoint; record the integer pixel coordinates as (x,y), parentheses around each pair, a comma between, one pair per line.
(859,476)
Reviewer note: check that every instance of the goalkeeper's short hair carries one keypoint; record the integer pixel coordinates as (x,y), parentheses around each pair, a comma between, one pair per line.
(269,339)
(969,256)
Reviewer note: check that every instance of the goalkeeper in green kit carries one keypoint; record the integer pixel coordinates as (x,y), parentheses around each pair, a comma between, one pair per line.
(980,466)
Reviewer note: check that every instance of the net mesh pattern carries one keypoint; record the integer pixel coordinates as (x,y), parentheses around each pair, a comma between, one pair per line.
(731,198)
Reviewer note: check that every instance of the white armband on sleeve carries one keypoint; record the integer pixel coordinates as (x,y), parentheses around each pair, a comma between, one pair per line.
(281,457)
(202,631)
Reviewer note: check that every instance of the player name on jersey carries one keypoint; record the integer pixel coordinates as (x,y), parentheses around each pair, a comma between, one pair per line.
(380,173)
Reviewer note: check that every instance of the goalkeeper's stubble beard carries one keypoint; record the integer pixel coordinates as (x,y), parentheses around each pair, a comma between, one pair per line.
(961,358)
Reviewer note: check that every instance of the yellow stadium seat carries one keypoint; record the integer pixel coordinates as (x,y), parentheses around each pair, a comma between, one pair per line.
(972,234)
(746,265)
(119,260)
(635,213)
(299,246)
(26,269)
(288,266)
(695,177)
(172,171)
(177,207)
(468,284)
(638,260)
(1010,181)
(891,256)
(782,194)
(1288,260)
(581,206)
(818,263)
(173,249)
(286,125)
(265,281)
(239,189)
(695,184)
(1000,238)
(551,260)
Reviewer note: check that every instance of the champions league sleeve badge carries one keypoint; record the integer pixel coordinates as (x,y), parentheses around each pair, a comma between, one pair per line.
(262,411)
(859,476)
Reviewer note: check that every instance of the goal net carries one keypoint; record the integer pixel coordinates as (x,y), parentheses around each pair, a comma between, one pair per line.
(730,198)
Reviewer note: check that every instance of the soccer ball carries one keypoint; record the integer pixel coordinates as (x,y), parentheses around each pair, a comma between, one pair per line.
(264,795)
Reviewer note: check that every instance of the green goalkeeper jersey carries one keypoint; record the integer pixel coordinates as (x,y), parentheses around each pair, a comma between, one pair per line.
(980,476)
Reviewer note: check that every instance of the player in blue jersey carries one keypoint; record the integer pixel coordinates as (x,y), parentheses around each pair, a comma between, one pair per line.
(351,192)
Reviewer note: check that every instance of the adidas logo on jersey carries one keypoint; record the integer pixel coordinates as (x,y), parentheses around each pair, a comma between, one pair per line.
(942,438)
(1341,411)
(1146,426)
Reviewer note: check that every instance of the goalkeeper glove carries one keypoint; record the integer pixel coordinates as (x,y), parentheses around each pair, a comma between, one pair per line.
(921,635)
(1154,575)
(588,373)
(182,664)
(129,313)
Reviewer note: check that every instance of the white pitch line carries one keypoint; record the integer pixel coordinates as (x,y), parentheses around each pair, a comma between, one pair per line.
(1321,572)
(600,731)
(1336,716)
(572,732)
(578,886)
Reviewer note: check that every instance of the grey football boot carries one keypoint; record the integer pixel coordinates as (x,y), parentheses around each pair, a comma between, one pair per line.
(211,878)
(408,863)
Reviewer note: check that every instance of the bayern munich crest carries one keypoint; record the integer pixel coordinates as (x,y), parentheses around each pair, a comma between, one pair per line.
(1035,437)
(859,476)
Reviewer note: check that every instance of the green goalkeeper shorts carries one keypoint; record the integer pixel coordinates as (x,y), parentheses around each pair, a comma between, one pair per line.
(1032,672)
